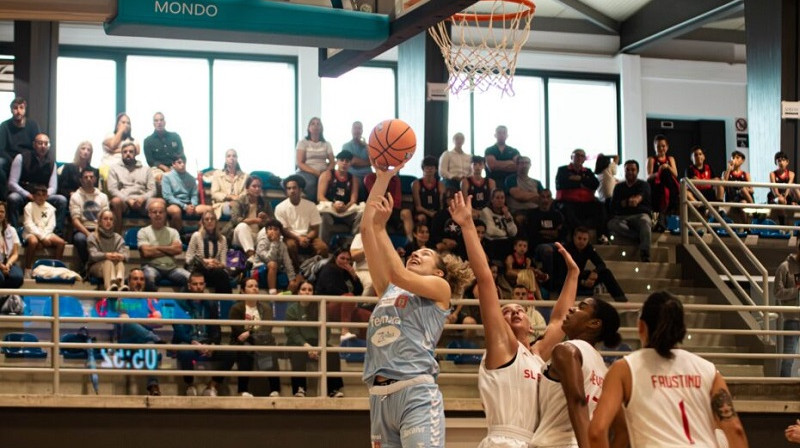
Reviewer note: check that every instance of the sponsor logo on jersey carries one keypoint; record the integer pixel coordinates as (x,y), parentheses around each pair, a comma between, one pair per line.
(401,301)
(385,336)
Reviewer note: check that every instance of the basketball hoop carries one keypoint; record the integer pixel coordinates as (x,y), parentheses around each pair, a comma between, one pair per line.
(486,39)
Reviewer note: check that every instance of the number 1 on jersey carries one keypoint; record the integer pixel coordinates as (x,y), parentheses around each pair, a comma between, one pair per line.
(685,419)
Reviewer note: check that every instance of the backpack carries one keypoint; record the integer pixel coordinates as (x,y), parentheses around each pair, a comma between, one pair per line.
(311,267)
(12,304)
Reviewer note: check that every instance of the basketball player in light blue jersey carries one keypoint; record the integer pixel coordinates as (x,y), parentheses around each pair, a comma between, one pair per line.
(400,369)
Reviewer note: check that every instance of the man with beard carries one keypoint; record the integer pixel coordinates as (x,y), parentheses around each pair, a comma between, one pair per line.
(161,147)
(130,184)
(16,136)
(85,206)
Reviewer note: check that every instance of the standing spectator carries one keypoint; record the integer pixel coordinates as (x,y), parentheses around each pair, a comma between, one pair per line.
(249,213)
(16,137)
(338,198)
(69,179)
(630,210)
(273,253)
(130,185)
(301,220)
(113,144)
(662,175)
(522,191)
(400,222)
(37,167)
(500,226)
(308,311)
(360,165)
(699,169)
(85,207)
(427,192)
(206,253)
(314,156)
(161,147)
(575,187)
(197,334)
(11,275)
(454,165)
(108,253)
(227,184)
(478,187)
(179,189)
(787,293)
(501,160)
(158,247)
(39,223)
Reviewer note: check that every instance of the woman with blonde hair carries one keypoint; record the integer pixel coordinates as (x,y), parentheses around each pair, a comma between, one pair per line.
(227,184)
(206,253)
(69,176)
(108,253)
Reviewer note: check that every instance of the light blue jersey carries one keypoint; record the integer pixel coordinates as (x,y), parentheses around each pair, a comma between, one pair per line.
(402,335)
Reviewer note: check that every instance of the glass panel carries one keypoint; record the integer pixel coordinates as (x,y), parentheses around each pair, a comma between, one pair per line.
(5,102)
(365,94)
(458,120)
(269,88)
(583,114)
(179,88)
(86,105)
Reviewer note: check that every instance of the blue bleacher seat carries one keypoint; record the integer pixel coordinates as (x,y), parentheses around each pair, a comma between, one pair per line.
(43,306)
(78,353)
(340,239)
(722,232)
(23,352)
(674,224)
(54,264)
(260,273)
(768,233)
(269,181)
(398,240)
(353,342)
(132,238)
(70,307)
(274,202)
(461,358)
(405,182)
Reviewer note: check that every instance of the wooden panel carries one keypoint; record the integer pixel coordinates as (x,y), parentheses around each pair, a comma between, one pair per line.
(58,10)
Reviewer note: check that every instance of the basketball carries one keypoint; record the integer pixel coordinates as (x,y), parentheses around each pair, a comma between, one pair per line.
(391,143)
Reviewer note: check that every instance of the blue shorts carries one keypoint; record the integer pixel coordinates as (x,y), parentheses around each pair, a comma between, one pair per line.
(407,414)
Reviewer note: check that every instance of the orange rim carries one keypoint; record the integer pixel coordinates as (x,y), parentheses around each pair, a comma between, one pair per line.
(499,17)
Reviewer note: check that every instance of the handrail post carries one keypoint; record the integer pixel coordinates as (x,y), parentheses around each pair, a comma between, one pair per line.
(323,343)
(56,337)
(684,214)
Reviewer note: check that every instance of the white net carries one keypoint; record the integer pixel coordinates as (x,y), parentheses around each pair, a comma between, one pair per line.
(480,45)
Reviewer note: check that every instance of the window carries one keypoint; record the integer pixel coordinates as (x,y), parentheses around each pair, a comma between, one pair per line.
(178,88)
(254,113)
(583,114)
(86,105)
(459,118)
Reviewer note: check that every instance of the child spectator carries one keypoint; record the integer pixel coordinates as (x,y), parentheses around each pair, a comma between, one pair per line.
(735,173)
(272,252)
(699,169)
(523,296)
(11,276)
(662,176)
(520,269)
(477,186)
(179,189)
(39,224)
(427,192)
(782,175)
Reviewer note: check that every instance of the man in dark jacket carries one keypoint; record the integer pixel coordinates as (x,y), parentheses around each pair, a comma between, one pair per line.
(631,208)
(787,288)
(575,187)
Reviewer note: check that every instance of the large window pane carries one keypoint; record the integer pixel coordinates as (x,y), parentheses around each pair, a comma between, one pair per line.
(458,120)
(522,114)
(255,96)
(179,88)
(86,105)
(365,94)
(6,86)
(583,114)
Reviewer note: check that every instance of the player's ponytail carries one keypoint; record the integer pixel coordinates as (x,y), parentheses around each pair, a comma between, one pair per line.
(662,312)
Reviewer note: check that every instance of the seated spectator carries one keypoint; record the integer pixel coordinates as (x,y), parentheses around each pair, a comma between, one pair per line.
(401,221)
(582,252)
(207,252)
(427,192)
(575,187)
(787,293)
(605,168)
(249,213)
(699,169)
(272,252)
(520,269)
(523,296)
(500,158)
(662,175)
(477,187)
(445,233)
(134,333)
(314,157)
(300,219)
(544,224)
(85,206)
(16,137)
(107,253)
(338,278)
(130,185)
(251,334)
(227,185)
(158,247)
(179,189)
(360,165)
(782,175)
(500,226)
(742,195)
(420,238)
(337,192)
(69,179)
(11,275)
(114,142)
(522,191)
(161,147)
(360,265)
(39,223)
(454,165)
(630,210)
(37,167)
(307,311)
(197,334)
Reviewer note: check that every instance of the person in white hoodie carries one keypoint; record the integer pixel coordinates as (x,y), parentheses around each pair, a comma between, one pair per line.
(85,206)
(787,288)
(39,224)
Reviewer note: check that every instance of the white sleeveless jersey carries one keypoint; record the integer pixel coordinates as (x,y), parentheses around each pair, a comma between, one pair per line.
(555,427)
(508,395)
(670,403)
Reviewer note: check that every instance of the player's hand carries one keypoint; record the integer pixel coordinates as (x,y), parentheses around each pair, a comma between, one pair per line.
(383,210)
(461,209)
(571,265)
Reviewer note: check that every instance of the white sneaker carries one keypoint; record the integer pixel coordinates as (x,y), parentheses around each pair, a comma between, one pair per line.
(301,393)
(274,394)
(210,391)
(246,394)
(273,291)
(336,394)
(191,391)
